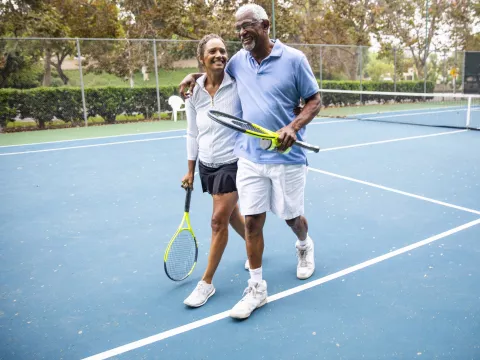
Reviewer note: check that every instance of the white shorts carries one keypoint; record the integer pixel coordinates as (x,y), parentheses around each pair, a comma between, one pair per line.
(279,188)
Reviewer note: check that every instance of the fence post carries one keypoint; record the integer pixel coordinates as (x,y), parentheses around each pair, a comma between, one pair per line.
(361,70)
(156,78)
(82,87)
(463,72)
(395,69)
(321,67)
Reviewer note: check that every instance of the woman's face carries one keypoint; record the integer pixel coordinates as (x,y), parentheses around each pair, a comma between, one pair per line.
(215,55)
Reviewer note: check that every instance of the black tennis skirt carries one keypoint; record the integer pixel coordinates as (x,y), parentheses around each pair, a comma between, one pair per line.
(219,180)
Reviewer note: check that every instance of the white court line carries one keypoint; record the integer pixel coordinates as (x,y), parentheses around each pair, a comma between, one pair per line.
(330,122)
(392,140)
(217,317)
(93,138)
(395,191)
(412,114)
(405,112)
(92,145)
(183,136)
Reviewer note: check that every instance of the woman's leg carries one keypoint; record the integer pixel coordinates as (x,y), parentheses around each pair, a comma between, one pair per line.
(223,207)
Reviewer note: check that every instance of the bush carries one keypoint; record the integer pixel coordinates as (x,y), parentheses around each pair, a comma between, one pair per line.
(8,112)
(47,104)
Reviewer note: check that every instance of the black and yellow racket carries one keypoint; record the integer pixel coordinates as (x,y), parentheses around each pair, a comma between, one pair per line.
(255,130)
(182,251)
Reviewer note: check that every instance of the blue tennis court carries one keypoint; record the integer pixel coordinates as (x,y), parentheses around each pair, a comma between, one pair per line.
(394,211)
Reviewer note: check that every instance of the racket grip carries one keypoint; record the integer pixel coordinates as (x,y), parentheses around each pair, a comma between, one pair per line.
(187,199)
(307,146)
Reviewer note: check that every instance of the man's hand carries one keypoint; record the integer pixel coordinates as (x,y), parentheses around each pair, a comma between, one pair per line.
(187,181)
(186,86)
(188,83)
(286,137)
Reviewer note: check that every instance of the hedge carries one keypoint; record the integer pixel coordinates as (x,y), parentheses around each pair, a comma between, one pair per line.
(46,104)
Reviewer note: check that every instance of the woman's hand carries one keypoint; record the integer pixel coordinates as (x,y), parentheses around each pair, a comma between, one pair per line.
(187,180)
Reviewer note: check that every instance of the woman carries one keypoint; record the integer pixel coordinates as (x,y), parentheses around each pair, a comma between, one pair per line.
(212,144)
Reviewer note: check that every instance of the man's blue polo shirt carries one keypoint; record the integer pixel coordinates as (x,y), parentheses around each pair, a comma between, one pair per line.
(269,93)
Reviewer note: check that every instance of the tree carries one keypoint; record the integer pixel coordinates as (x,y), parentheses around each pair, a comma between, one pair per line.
(377,69)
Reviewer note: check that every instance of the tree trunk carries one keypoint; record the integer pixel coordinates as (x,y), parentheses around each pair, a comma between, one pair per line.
(130,77)
(47,74)
(62,75)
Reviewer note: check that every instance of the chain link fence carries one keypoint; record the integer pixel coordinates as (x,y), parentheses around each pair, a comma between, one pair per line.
(88,81)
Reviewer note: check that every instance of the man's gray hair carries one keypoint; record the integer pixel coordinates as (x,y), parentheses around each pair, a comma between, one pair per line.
(259,12)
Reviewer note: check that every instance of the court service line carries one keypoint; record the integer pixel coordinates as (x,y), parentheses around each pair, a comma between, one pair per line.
(220,316)
(396,191)
(92,138)
(393,140)
(92,145)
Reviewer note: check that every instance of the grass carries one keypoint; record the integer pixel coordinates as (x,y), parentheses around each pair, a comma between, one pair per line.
(90,132)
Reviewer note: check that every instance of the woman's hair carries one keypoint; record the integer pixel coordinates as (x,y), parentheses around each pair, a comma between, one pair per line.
(204,41)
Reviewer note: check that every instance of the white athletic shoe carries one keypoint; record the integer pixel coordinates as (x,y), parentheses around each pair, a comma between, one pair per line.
(247,265)
(254,296)
(306,260)
(200,294)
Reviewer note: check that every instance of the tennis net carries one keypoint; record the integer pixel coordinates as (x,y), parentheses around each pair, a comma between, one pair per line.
(458,111)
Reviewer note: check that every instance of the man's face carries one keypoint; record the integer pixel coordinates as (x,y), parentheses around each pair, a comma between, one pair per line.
(249,30)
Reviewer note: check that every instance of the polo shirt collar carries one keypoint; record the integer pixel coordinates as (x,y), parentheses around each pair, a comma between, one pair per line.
(277,50)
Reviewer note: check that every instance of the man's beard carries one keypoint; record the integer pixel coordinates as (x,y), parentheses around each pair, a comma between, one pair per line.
(250,46)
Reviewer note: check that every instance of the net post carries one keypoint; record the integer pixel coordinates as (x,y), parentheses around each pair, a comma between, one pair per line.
(156,77)
(469,111)
(82,86)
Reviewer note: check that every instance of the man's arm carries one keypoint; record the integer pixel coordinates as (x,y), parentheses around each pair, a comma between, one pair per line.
(288,134)
(188,82)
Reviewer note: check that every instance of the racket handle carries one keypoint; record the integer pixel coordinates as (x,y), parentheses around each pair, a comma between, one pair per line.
(187,199)
(307,146)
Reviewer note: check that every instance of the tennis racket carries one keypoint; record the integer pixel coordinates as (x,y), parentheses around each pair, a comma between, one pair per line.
(182,251)
(252,129)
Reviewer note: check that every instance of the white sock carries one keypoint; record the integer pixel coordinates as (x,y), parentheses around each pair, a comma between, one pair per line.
(302,243)
(256,275)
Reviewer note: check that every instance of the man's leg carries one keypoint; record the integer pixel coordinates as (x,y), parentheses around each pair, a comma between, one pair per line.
(238,224)
(288,193)
(254,193)
(299,225)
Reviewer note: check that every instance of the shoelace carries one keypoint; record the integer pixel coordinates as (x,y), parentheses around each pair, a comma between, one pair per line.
(252,291)
(302,256)
(203,288)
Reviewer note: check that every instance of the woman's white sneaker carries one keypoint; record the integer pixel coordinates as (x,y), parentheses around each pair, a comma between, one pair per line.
(200,294)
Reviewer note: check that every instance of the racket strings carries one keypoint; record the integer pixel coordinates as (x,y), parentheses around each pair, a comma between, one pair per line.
(181,256)
(247,126)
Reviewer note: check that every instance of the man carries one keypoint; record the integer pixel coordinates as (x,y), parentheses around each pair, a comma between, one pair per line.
(271,78)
